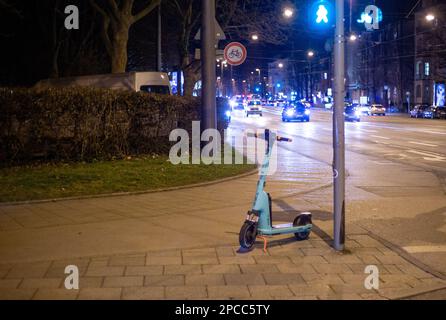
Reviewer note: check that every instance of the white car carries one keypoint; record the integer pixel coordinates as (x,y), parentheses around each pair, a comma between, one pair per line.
(377,109)
(253,107)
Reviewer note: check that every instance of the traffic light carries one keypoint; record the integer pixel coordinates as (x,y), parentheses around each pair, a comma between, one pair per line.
(321,15)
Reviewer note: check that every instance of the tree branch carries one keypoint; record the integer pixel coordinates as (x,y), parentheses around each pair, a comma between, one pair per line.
(144,12)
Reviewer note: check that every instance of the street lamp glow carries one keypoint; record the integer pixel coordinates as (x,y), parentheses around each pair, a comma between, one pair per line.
(280,65)
(430,17)
(255,37)
(288,13)
(353,37)
(310,54)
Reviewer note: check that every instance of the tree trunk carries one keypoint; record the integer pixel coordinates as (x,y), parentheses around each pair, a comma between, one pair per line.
(119,50)
(189,82)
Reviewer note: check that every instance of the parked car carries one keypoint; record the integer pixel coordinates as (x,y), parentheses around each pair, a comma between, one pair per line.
(351,113)
(440,113)
(254,107)
(296,111)
(429,113)
(418,110)
(377,110)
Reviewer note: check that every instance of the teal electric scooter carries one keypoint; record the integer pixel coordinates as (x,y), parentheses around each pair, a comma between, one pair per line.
(259,219)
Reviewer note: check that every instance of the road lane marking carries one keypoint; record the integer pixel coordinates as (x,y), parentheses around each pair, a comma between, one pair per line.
(380,137)
(424,249)
(423,144)
(434,132)
(428,156)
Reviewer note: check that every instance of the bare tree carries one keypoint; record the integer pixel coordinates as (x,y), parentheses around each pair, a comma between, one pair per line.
(238,18)
(117,19)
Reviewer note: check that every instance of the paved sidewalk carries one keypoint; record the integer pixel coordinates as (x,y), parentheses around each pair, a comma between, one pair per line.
(289,270)
(182,244)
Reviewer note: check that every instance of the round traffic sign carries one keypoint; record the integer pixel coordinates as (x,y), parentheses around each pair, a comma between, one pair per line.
(235,53)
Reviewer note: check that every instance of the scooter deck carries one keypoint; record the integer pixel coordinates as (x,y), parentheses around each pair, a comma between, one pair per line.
(285,229)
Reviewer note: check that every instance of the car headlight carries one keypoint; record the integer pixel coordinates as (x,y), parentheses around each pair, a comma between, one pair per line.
(228,113)
(307,112)
(290,112)
(233,104)
(358,113)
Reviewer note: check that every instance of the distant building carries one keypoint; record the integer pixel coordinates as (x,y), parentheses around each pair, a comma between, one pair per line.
(430,53)
(384,66)
(280,77)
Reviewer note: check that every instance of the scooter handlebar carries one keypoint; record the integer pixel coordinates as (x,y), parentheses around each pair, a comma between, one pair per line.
(278,138)
(283,139)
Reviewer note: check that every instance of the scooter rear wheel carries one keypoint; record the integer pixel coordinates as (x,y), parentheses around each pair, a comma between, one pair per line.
(300,221)
(248,235)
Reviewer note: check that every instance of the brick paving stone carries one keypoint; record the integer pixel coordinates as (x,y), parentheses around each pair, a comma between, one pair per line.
(367,241)
(293,268)
(164,280)
(225,251)
(163,260)
(412,270)
(313,279)
(119,282)
(243,279)
(221,269)
(90,282)
(4,269)
(104,271)
(259,268)
(205,279)
(181,293)
(28,270)
(143,293)
(317,251)
(182,269)
(238,259)
(10,283)
(284,251)
(43,283)
(390,269)
(308,260)
(136,260)
(271,259)
(100,294)
(199,252)
(268,292)
(165,253)
(310,290)
(332,268)
(349,288)
(341,296)
(16,294)
(340,258)
(283,279)
(208,259)
(55,294)
(143,270)
(368,259)
(228,291)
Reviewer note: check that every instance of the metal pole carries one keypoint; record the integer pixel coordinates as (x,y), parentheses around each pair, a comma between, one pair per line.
(159,55)
(209,114)
(338,130)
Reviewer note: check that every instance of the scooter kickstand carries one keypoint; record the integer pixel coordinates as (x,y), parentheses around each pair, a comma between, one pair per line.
(265,242)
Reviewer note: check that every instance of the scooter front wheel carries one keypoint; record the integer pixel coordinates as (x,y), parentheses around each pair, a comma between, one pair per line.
(301,221)
(248,235)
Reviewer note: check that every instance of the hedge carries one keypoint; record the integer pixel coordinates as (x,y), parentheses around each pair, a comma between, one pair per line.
(82,124)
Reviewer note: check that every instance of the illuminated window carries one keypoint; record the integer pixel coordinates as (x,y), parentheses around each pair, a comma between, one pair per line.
(427,69)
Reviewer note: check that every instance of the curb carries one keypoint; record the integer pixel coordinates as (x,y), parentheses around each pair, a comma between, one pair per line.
(121,194)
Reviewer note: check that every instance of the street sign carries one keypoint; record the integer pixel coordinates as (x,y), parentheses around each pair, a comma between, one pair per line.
(219,34)
(235,53)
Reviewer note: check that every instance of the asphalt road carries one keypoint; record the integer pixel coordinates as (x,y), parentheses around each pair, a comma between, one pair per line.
(396,185)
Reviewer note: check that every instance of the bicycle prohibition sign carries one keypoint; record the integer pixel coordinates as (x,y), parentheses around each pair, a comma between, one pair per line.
(235,53)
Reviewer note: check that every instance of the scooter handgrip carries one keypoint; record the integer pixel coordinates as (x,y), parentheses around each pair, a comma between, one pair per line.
(282,139)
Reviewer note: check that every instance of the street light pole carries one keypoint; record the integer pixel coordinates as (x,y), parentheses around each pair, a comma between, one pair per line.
(338,130)
(209,114)
(159,55)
